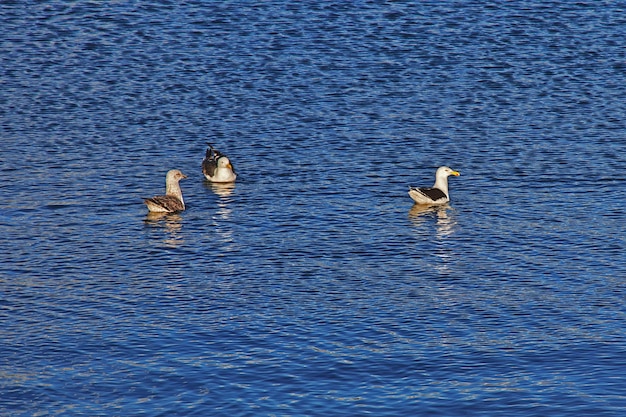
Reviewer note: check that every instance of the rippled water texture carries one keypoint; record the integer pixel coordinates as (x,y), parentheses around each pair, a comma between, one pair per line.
(313,286)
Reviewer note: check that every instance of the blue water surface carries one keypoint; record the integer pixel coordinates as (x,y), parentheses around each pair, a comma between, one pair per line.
(313,286)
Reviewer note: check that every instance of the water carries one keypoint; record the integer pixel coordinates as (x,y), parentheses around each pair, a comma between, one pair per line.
(313,287)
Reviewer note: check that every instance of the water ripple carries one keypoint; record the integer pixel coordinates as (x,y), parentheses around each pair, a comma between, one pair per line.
(313,286)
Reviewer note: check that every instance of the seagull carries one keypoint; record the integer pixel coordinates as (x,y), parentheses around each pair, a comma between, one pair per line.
(216,166)
(172,201)
(438,193)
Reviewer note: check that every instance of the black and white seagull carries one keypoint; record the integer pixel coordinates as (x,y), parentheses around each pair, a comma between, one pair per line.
(438,193)
(216,166)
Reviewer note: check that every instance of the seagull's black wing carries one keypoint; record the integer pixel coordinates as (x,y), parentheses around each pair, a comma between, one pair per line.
(432,193)
(209,163)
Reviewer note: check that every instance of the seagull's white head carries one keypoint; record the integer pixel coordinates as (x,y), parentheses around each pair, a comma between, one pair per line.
(446,171)
(224,162)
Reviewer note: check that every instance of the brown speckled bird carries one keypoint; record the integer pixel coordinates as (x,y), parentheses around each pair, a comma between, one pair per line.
(172,201)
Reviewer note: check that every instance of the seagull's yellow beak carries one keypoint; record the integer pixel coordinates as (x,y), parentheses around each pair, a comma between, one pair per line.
(455,173)
(230,166)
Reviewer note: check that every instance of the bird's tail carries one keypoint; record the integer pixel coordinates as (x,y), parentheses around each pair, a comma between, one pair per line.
(212,153)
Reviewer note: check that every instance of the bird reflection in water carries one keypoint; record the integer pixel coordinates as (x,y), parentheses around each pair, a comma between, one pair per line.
(224,191)
(445,227)
(445,220)
(171,223)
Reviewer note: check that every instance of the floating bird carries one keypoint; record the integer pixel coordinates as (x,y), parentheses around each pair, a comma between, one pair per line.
(172,201)
(216,166)
(438,193)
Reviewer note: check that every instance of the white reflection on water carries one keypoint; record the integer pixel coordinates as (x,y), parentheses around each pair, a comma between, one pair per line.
(445,220)
(222,190)
(224,211)
(171,223)
(445,227)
